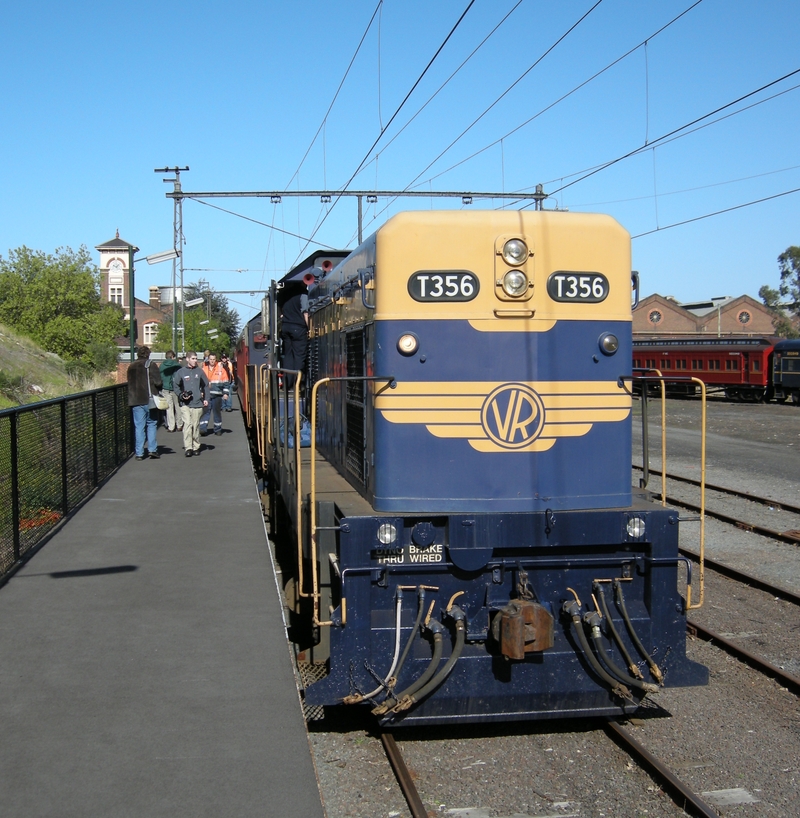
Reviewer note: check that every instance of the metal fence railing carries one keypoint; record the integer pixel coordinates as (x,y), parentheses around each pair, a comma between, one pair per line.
(53,454)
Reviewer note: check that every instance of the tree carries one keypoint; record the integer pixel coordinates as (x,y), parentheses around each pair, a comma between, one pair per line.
(776,300)
(216,314)
(55,299)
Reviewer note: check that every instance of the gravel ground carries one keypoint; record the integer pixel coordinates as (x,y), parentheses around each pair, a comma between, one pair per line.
(737,739)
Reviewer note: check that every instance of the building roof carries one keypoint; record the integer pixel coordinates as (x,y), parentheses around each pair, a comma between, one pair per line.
(115,244)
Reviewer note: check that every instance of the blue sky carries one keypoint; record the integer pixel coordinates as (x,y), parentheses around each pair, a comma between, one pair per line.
(94,96)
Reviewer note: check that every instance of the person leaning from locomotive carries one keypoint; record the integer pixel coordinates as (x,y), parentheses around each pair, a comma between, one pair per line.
(294,330)
(192,388)
(219,379)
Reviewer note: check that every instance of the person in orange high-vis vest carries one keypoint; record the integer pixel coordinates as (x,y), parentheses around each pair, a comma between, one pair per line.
(219,379)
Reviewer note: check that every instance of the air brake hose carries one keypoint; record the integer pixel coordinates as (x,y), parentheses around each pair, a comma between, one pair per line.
(461,635)
(592,619)
(356,698)
(632,666)
(573,610)
(438,645)
(654,669)
(414,630)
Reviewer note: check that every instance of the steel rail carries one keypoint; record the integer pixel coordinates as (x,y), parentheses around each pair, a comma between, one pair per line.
(403,776)
(689,800)
(746,579)
(762,665)
(781,536)
(745,495)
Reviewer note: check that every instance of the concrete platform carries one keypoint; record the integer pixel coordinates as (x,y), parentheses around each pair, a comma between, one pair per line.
(144,668)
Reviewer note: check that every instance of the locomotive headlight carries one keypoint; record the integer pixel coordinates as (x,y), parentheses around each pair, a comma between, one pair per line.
(515,252)
(636,528)
(609,343)
(515,283)
(387,534)
(408,344)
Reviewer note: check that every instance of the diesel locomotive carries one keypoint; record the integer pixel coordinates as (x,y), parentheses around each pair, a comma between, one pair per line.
(460,541)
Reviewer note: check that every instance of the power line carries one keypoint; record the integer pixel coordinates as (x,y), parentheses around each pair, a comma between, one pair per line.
(662,139)
(508,90)
(336,95)
(193,197)
(445,83)
(397,111)
(565,96)
(716,213)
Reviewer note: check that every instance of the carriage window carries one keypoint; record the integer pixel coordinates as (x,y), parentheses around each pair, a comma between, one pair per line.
(666,363)
(755,365)
(732,365)
(680,364)
(713,365)
(650,363)
(697,363)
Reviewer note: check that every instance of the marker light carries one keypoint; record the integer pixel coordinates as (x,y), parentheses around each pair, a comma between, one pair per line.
(635,528)
(515,283)
(407,344)
(515,252)
(387,534)
(609,344)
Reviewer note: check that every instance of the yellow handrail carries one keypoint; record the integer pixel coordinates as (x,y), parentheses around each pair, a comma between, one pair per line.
(689,606)
(313,495)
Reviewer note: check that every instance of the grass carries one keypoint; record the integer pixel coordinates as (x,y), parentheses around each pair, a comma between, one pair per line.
(43,374)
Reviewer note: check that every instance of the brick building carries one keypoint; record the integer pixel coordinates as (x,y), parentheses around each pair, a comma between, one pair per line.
(661,316)
(115,287)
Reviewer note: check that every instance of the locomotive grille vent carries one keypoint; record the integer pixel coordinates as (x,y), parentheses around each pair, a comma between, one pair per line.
(355,405)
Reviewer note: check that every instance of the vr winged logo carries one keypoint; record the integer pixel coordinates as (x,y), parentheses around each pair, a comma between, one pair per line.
(506,417)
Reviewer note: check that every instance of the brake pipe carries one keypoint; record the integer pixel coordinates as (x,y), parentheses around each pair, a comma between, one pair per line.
(461,635)
(632,666)
(360,697)
(654,669)
(592,619)
(573,610)
(436,630)
(407,648)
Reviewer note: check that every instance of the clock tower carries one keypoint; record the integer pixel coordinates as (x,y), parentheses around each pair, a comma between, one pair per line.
(114,273)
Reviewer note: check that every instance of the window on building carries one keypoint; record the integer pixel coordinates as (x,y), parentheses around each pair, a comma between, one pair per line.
(150,332)
(744,317)
(115,295)
(655,316)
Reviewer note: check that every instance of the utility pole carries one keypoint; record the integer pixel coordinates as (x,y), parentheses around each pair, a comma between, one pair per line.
(177,243)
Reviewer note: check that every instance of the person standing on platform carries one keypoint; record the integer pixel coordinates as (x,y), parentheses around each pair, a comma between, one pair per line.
(218,378)
(168,368)
(227,393)
(192,388)
(294,333)
(145,419)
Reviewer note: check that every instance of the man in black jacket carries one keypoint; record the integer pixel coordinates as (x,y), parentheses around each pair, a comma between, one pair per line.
(144,418)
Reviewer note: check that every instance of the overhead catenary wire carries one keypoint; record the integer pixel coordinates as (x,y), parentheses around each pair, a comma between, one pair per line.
(338,91)
(394,115)
(716,213)
(506,92)
(564,96)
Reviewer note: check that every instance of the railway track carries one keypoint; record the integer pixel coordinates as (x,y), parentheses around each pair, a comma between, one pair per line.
(682,795)
(791,536)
